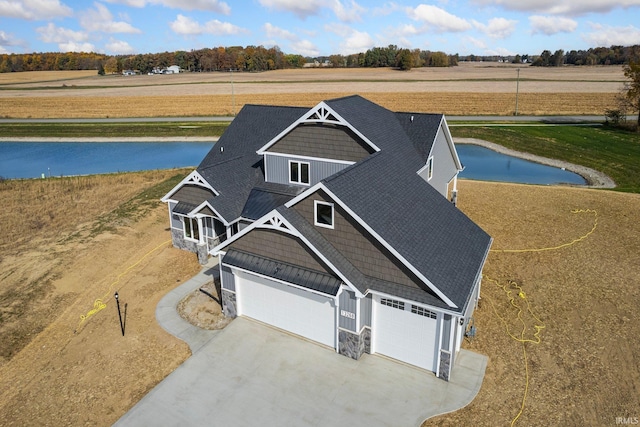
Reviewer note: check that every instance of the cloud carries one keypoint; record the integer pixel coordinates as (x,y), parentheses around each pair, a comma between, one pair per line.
(208,5)
(562,7)
(386,9)
(351,13)
(357,41)
(604,35)
(302,9)
(550,25)
(101,20)
(54,34)
(188,27)
(34,9)
(119,47)
(439,20)
(72,46)
(8,40)
(278,33)
(305,48)
(497,28)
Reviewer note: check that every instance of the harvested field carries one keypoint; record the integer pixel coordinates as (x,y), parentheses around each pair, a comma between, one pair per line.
(466,89)
(585,371)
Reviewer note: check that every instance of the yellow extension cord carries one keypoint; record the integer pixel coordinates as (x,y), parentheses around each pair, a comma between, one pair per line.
(522,295)
(100,304)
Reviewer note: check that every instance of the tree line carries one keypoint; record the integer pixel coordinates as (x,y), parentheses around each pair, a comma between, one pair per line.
(259,58)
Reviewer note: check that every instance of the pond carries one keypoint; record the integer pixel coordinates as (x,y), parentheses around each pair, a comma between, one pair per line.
(483,164)
(32,159)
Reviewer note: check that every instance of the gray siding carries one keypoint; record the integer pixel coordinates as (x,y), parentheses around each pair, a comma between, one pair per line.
(348,304)
(192,194)
(277,168)
(365,311)
(446,332)
(227,279)
(176,222)
(324,141)
(444,167)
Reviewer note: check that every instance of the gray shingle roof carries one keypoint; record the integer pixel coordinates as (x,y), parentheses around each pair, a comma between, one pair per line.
(315,280)
(263,200)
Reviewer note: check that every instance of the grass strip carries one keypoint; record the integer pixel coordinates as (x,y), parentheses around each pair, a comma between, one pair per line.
(106,130)
(611,151)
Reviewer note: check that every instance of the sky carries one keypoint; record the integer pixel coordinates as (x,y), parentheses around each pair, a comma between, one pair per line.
(317,27)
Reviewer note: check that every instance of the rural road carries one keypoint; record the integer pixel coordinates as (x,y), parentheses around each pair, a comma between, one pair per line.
(541,119)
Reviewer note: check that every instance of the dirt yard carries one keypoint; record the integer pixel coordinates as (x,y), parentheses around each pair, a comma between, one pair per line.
(470,88)
(59,370)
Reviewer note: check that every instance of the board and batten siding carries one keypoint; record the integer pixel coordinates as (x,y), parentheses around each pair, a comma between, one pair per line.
(365,312)
(277,169)
(227,279)
(444,167)
(347,315)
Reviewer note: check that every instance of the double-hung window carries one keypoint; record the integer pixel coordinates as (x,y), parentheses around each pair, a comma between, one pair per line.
(298,172)
(323,214)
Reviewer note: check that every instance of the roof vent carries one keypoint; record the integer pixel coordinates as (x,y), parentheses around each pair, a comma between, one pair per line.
(221,149)
(411,118)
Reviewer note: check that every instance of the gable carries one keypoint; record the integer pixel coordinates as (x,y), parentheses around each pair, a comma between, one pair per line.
(277,245)
(358,246)
(322,140)
(192,194)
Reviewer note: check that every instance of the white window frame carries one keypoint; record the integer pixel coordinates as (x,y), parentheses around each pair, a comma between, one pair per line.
(429,168)
(300,181)
(192,221)
(317,203)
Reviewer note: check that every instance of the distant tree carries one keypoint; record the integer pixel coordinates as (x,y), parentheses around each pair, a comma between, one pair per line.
(404,60)
(100,70)
(632,86)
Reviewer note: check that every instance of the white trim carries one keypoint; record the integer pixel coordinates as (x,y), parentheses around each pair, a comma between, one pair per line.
(207,204)
(323,111)
(315,214)
(315,159)
(452,147)
(274,221)
(391,249)
(193,178)
(300,163)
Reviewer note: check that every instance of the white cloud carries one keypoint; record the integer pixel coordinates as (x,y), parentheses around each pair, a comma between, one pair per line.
(562,7)
(72,46)
(119,47)
(604,35)
(386,9)
(550,25)
(54,34)
(208,5)
(357,42)
(497,28)
(278,33)
(499,51)
(301,9)
(351,13)
(100,19)
(480,44)
(34,9)
(8,41)
(341,30)
(305,48)
(437,19)
(187,26)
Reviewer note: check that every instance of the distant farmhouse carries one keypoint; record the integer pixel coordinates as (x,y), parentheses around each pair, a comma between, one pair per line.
(336,223)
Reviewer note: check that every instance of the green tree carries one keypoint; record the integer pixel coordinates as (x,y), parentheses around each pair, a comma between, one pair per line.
(632,86)
(404,60)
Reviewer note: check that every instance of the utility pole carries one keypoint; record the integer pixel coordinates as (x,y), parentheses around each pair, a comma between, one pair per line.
(517,90)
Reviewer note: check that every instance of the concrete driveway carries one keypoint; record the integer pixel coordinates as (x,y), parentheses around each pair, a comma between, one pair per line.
(251,374)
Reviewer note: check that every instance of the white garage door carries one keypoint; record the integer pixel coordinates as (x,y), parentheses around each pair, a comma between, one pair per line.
(295,310)
(400,334)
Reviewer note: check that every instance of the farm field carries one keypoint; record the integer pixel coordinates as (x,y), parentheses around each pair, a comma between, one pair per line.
(91,230)
(468,89)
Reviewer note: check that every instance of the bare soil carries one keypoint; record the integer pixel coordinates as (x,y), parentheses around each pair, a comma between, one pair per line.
(584,371)
(203,309)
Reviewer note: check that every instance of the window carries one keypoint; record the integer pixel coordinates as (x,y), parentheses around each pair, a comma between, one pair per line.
(191,230)
(392,303)
(423,311)
(324,214)
(209,229)
(298,172)
(429,168)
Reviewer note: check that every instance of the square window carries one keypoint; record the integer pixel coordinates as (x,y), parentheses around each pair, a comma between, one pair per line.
(298,172)
(323,214)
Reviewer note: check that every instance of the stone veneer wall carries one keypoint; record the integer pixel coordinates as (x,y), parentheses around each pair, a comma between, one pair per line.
(354,345)
(177,237)
(445,365)
(229,304)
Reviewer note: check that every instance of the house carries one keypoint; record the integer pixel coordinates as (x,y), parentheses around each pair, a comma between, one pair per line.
(335,223)
(174,69)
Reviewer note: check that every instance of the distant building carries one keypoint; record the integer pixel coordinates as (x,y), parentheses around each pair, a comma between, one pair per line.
(128,73)
(174,69)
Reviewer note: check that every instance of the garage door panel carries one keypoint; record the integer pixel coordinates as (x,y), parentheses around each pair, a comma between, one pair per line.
(405,336)
(286,307)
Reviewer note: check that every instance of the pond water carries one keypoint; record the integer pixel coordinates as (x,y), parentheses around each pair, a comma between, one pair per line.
(483,164)
(32,159)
